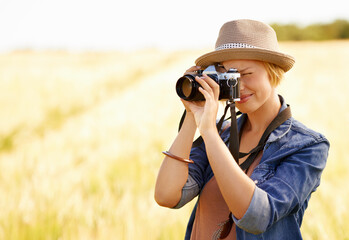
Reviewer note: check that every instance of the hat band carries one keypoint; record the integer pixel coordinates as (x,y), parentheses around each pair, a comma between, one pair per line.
(234,45)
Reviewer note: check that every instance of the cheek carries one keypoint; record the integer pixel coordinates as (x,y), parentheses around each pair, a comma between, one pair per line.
(263,85)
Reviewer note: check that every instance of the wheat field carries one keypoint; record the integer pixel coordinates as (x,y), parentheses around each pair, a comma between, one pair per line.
(81,136)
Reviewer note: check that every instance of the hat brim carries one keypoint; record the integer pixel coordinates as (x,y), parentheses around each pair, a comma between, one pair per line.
(282,60)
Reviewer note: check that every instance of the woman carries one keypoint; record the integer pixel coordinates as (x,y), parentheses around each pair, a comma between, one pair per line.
(266,200)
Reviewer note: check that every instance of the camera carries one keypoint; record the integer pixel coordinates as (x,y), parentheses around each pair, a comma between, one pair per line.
(229,84)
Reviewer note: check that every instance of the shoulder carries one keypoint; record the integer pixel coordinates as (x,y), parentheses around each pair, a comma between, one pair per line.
(303,134)
(294,135)
(294,143)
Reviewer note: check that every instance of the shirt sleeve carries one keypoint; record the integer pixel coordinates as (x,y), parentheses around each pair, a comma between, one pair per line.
(189,191)
(196,177)
(284,191)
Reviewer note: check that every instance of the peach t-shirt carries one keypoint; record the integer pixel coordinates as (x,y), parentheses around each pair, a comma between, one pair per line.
(212,211)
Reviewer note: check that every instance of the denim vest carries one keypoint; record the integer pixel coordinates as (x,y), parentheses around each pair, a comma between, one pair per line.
(289,171)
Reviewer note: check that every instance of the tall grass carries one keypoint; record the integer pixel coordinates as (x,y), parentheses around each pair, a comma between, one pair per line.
(317,91)
(81,137)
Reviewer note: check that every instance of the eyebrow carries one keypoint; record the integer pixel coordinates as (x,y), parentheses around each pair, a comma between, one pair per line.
(245,69)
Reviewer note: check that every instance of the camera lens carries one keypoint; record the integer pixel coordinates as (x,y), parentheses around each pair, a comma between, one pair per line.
(184,87)
(187,87)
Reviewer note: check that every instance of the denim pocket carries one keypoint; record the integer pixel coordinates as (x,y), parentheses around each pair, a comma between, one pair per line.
(262,173)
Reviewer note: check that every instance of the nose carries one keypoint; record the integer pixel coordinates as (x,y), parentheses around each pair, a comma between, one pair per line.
(242,85)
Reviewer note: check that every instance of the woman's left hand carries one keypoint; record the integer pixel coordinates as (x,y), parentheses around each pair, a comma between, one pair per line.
(205,113)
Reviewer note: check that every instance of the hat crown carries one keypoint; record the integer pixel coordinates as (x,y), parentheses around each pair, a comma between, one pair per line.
(250,32)
(247,39)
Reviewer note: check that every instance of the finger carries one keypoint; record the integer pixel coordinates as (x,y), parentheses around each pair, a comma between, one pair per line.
(209,85)
(204,84)
(208,96)
(213,84)
(192,69)
(189,104)
(185,103)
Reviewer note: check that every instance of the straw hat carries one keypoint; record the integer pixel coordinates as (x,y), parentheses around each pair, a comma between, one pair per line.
(247,39)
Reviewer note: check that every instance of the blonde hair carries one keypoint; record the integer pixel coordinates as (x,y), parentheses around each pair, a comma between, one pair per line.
(275,73)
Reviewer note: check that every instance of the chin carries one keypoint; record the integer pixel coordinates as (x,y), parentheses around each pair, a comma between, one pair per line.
(246,108)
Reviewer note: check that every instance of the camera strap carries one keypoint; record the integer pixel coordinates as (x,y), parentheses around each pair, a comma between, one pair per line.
(234,143)
(234,138)
(199,140)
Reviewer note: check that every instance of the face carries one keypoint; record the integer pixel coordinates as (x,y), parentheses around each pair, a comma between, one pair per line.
(256,91)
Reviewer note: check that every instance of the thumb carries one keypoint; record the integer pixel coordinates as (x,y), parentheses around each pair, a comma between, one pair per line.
(186,105)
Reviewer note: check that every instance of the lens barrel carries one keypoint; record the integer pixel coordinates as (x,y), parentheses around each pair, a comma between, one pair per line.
(229,86)
(188,89)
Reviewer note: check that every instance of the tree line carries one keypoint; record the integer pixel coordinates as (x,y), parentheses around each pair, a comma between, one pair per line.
(338,29)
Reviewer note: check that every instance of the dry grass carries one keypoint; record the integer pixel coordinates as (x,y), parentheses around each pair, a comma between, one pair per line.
(318,89)
(81,137)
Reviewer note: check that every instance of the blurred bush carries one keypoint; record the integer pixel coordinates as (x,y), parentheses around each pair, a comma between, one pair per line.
(338,29)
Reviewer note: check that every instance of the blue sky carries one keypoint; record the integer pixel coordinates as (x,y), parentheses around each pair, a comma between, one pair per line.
(130,24)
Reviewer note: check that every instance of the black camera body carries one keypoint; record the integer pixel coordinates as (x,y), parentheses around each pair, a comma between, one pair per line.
(229,84)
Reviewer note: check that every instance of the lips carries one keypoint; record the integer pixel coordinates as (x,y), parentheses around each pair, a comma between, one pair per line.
(244,98)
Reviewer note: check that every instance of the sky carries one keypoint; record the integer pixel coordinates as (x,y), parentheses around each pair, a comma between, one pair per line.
(135,24)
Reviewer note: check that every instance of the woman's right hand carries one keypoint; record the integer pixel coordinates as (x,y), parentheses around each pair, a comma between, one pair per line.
(204,112)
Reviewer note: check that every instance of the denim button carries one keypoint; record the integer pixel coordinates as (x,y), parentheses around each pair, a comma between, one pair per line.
(255,181)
